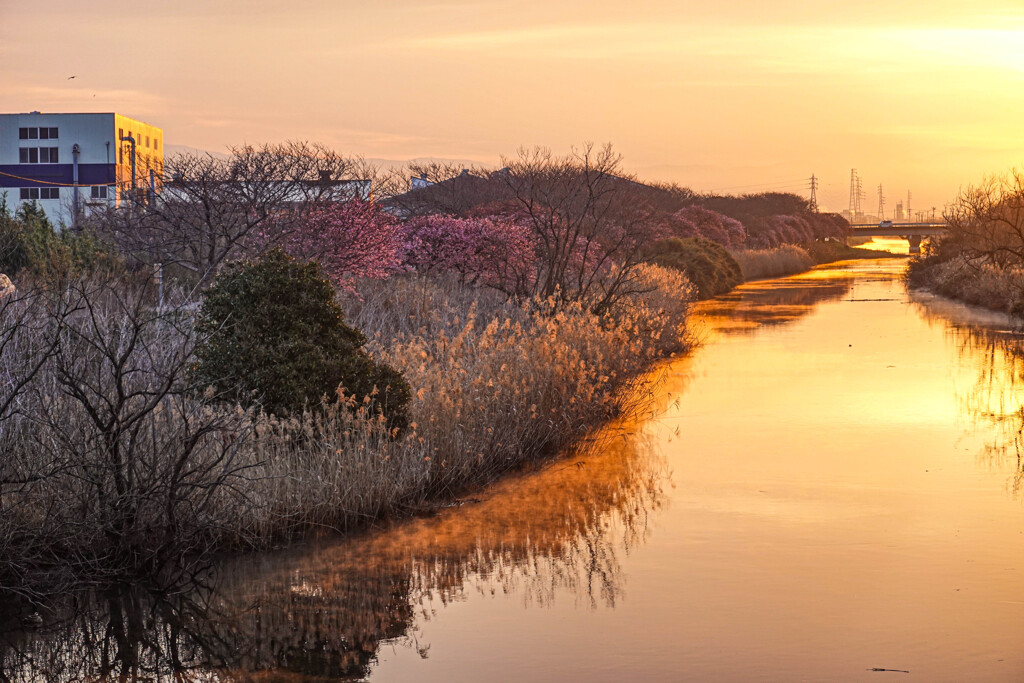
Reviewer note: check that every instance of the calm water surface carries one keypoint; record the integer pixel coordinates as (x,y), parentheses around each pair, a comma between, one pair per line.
(829,485)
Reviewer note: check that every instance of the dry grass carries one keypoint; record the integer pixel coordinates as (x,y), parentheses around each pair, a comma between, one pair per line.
(787,259)
(496,384)
(986,285)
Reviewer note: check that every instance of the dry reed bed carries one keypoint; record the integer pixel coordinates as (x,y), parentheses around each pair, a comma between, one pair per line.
(787,259)
(987,285)
(496,384)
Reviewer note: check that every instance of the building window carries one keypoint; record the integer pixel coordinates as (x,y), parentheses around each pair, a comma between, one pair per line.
(147,141)
(37,133)
(40,193)
(99,191)
(156,144)
(38,155)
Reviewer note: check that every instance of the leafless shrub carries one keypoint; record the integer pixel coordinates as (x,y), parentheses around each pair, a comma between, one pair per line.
(111,464)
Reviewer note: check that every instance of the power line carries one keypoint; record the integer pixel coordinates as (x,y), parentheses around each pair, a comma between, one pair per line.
(48,182)
(795,182)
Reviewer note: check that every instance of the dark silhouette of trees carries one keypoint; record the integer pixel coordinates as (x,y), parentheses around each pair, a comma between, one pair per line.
(986,222)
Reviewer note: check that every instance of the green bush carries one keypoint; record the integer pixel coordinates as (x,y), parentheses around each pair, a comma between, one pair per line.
(707,264)
(274,335)
(29,243)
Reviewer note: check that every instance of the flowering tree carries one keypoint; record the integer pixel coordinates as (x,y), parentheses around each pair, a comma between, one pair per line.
(771,231)
(495,251)
(351,239)
(696,221)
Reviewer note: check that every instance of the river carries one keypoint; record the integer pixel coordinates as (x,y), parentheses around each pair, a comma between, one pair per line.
(828,489)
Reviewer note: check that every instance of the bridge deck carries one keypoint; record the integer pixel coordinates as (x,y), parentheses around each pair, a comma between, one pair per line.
(898,229)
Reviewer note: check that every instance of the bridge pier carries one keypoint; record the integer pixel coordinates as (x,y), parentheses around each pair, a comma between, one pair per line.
(915,243)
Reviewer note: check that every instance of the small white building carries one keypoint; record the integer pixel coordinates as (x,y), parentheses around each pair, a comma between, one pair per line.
(71,162)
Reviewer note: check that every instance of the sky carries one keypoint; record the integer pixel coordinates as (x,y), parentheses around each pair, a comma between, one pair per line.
(718,95)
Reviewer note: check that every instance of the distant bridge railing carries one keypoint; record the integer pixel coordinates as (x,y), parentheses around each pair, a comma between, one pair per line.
(893,229)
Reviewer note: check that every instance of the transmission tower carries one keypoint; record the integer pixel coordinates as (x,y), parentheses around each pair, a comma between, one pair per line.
(860,195)
(853,192)
(908,207)
(881,203)
(814,194)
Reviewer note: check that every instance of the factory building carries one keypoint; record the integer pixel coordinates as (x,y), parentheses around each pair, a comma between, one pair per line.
(70,164)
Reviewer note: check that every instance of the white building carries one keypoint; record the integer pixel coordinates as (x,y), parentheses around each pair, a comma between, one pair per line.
(69,162)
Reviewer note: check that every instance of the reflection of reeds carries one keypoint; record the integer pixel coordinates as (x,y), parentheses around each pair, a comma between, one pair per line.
(323,611)
(995,401)
(770,303)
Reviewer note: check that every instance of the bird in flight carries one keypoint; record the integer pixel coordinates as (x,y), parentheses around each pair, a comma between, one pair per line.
(70,77)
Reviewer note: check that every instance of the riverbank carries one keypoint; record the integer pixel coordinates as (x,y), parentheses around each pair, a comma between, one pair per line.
(790,259)
(998,288)
(667,553)
(496,385)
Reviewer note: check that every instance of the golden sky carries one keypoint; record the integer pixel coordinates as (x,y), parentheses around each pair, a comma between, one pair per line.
(730,95)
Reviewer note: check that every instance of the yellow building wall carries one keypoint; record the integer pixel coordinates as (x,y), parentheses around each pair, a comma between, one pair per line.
(149,153)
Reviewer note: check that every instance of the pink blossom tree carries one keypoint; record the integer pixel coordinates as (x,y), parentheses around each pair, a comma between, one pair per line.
(352,239)
(696,221)
(493,251)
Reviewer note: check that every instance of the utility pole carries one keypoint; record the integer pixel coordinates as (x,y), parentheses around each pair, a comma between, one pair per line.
(814,194)
(75,151)
(881,203)
(131,141)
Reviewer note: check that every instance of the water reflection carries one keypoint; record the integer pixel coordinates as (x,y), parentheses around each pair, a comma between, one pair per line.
(991,344)
(322,611)
(775,302)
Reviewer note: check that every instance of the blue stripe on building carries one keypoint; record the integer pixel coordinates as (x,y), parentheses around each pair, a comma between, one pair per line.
(42,175)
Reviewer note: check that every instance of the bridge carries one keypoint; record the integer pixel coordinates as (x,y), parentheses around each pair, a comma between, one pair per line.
(912,232)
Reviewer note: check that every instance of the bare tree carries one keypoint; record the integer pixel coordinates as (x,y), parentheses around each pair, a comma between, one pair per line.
(212,209)
(986,222)
(590,218)
(112,463)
